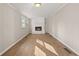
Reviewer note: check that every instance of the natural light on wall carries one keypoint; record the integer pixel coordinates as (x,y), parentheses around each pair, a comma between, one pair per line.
(23,21)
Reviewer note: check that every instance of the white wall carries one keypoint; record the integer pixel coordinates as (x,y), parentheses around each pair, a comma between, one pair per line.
(38,21)
(10,26)
(1,33)
(64,25)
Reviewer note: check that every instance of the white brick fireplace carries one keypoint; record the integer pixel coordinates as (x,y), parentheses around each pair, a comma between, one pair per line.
(38,25)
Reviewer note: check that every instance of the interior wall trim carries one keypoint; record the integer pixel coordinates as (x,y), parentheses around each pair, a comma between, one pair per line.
(13,44)
(64,44)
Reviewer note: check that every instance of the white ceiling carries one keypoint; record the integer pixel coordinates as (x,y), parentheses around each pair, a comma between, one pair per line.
(45,10)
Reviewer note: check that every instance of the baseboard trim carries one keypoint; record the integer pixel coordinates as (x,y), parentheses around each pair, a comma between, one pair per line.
(13,44)
(64,44)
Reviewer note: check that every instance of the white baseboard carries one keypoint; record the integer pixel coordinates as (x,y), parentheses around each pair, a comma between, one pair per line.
(59,39)
(12,45)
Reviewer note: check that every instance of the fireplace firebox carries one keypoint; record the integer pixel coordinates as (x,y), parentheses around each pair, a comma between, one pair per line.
(38,28)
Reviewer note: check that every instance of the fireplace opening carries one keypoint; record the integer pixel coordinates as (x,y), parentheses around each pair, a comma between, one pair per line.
(38,28)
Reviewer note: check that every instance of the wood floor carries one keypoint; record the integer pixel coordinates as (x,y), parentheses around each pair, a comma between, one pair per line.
(39,45)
